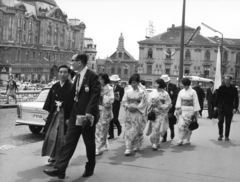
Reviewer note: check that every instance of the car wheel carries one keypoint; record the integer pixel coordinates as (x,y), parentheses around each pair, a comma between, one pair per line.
(35,129)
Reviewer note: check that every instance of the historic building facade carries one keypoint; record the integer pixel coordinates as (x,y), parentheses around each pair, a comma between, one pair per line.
(36,37)
(160,54)
(120,62)
(91,50)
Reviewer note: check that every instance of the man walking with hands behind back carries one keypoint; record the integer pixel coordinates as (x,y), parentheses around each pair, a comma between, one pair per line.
(227,105)
(82,114)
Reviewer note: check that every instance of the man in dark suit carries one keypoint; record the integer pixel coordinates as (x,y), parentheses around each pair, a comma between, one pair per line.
(81,114)
(201,96)
(118,95)
(173,93)
(210,99)
(227,105)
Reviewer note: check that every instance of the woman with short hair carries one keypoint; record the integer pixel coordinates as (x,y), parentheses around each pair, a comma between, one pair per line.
(159,104)
(187,106)
(135,103)
(106,115)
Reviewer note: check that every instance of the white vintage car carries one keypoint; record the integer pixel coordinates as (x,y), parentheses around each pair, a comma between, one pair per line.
(32,114)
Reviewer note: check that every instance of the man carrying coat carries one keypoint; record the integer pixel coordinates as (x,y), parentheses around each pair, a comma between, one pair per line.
(81,114)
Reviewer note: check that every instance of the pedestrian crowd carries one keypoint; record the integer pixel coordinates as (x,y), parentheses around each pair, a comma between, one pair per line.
(89,105)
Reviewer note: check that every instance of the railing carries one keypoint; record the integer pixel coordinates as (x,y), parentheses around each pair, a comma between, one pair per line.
(187,62)
(168,61)
(22,96)
(206,63)
(149,60)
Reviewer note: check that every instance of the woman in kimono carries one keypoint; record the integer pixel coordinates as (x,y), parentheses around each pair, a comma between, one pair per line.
(187,105)
(106,115)
(55,125)
(135,103)
(159,104)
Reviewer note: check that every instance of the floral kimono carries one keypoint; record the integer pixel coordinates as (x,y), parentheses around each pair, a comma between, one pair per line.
(159,103)
(188,103)
(135,120)
(106,115)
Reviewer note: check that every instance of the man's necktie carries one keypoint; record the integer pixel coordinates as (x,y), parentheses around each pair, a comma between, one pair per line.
(77,87)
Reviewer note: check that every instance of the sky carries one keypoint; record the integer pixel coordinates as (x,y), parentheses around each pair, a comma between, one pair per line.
(106,19)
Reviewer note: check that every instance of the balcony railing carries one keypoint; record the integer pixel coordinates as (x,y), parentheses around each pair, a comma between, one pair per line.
(237,65)
(168,61)
(187,62)
(149,60)
(206,63)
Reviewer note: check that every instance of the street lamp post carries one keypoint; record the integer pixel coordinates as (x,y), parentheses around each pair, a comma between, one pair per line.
(216,31)
(182,43)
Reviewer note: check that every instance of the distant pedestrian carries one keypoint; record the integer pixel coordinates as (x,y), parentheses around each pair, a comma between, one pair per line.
(173,93)
(201,96)
(135,103)
(11,89)
(118,95)
(187,106)
(159,103)
(227,105)
(106,115)
(54,104)
(210,99)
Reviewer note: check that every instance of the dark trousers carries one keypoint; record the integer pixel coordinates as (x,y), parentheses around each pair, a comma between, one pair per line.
(201,106)
(115,122)
(225,112)
(210,109)
(172,122)
(73,134)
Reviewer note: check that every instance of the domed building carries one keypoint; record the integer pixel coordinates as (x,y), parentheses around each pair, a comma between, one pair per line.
(35,38)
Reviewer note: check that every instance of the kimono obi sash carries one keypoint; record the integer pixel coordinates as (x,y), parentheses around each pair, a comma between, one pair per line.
(188,102)
(134,101)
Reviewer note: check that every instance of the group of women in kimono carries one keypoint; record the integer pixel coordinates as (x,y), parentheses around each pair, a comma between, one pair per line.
(137,105)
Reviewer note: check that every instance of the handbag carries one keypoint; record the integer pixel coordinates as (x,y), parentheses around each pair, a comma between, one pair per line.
(149,128)
(151,116)
(194,124)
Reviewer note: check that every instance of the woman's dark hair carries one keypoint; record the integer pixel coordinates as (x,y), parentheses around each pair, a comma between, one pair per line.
(186,82)
(135,77)
(105,77)
(10,76)
(143,82)
(64,66)
(161,83)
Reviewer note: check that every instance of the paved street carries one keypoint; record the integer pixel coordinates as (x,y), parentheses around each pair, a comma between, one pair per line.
(204,160)
(11,135)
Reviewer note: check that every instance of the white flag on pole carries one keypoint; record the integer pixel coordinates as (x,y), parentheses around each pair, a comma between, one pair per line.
(218,75)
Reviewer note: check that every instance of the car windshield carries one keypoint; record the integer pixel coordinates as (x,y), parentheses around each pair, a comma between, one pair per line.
(42,96)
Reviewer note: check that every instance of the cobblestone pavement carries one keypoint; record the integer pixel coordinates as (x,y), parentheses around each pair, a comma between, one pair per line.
(12,136)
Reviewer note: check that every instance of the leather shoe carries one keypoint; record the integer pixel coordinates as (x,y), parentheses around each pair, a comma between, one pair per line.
(110,137)
(55,173)
(164,140)
(87,173)
(172,135)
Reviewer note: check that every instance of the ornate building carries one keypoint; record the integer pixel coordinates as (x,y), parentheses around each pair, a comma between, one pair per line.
(36,37)
(160,54)
(91,50)
(120,62)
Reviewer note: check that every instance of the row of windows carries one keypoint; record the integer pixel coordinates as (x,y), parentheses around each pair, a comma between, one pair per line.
(41,56)
(169,54)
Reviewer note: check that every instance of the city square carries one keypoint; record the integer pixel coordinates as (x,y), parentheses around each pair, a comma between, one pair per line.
(65,63)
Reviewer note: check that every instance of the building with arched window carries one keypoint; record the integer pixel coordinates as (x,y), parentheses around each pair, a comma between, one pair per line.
(160,54)
(91,50)
(121,62)
(36,33)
